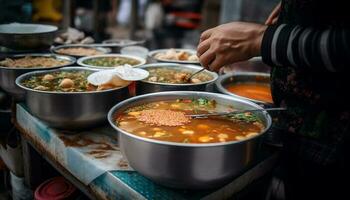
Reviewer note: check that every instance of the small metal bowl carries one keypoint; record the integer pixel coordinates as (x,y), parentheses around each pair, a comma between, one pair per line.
(185,165)
(145,87)
(81,60)
(120,43)
(100,49)
(19,36)
(71,110)
(8,75)
(153,53)
(242,77)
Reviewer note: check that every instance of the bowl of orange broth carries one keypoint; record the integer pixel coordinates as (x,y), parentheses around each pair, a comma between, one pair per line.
(252,86)
(163,143)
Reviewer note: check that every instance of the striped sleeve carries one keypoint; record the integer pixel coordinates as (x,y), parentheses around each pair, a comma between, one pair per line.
(307,47)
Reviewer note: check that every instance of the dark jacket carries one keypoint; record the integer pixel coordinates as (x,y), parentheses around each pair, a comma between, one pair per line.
(309,51)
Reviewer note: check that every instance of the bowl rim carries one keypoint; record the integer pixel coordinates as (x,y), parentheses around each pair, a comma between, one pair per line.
(63,46)
(53,28)
(214,75)
(220,87)
(20,78)
(191,51)
(125,103)
(71,60)
(81,60)
(130,42)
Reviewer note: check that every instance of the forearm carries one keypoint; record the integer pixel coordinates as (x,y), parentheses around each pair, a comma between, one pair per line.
(307,47)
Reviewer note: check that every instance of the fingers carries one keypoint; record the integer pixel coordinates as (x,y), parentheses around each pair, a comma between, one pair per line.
(274,21)
(217,63)
(269,20)
(274,15)
(271,17)
(203,47)
(205,35)
(206,58)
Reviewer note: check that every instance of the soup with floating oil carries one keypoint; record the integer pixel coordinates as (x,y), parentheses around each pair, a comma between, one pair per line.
(168,121)
(261,92)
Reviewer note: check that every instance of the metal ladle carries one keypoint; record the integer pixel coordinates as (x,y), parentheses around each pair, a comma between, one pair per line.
(188,79)
(205,115)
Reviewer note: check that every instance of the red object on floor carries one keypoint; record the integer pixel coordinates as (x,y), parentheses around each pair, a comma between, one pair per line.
(57,188)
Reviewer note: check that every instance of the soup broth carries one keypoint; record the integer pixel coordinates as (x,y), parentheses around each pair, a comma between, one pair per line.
(203,130)
(261,92)
(111,61)
(32,62)
(79,51)
(63,81)
(175,76)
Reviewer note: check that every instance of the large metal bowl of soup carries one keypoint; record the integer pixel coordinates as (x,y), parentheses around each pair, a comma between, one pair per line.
(252,86)
(171,77)
(19,36)
(78,51)
(110,60)
(13,66)
(201,154)
(69,104)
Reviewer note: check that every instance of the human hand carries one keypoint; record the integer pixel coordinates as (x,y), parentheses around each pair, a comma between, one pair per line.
(229,43)
(273,17)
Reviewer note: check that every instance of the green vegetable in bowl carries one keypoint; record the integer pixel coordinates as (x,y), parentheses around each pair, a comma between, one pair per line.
(61,81)
(110,61)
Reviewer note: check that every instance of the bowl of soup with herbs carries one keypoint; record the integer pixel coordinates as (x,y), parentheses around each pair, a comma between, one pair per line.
(247,85)
(109,61)
(157,134)
(63,98)
(172,77)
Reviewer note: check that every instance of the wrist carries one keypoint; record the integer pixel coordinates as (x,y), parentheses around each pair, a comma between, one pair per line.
(256,49)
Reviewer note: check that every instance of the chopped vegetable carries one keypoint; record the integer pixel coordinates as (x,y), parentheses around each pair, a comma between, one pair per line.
(175,76)
(110,61)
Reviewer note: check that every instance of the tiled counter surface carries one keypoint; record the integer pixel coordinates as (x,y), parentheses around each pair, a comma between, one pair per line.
(117,184)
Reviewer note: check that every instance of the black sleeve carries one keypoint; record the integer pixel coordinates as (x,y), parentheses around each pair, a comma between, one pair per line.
(325,49)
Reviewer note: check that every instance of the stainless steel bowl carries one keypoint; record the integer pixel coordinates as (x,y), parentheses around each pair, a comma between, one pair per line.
(145,87)
(81,61)
(242,77)
(27,36)
(188,166)
(100,49)
(71,110)
(8,75)
(120,43)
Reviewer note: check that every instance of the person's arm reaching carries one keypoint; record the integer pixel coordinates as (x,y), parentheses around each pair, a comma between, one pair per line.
(306,47)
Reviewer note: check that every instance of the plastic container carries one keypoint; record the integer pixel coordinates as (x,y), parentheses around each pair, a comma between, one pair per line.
(57,188)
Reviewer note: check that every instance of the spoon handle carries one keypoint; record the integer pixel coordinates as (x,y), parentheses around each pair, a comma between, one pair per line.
(234,112)
(192,75)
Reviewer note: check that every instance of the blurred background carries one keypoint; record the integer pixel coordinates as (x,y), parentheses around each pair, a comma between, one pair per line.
(162,23)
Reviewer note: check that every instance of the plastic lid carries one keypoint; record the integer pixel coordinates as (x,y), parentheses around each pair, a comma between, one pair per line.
(55,189)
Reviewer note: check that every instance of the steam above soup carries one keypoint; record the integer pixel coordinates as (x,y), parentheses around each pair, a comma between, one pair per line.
(169,121)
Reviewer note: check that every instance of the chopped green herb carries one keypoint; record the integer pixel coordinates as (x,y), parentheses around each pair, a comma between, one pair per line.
(246,117)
